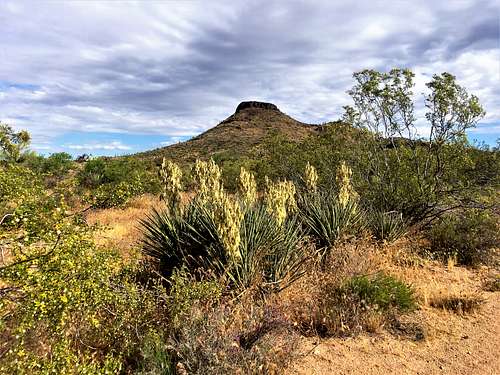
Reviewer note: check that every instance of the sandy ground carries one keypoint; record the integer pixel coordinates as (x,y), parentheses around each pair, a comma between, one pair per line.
(453,344)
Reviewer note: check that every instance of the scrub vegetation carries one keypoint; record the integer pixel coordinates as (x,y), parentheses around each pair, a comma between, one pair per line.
(160,263)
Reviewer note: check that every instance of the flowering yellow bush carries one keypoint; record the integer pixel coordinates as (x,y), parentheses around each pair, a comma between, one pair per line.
(346,190)
(171,176)
(280,199)
(247,187)
(311,178)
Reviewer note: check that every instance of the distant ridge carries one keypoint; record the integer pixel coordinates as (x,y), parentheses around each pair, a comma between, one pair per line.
(240,134)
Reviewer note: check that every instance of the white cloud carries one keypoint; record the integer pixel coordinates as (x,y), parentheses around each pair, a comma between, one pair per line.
(114,145)
(181,67)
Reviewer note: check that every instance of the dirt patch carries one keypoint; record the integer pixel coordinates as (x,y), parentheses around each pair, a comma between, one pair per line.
(427,341)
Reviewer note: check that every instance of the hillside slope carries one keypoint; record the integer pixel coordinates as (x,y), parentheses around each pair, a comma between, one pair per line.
(241,133)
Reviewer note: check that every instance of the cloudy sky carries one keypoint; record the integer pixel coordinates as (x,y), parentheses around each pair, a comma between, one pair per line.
(117,77)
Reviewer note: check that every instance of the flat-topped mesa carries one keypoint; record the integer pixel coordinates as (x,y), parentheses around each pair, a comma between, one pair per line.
(254,104)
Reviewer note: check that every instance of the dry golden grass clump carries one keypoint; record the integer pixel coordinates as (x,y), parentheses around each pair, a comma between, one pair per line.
(459,304)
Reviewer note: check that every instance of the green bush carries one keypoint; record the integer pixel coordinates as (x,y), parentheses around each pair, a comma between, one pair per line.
(68,306)
(382,292)
(346,307)
(470,236)
(115,195)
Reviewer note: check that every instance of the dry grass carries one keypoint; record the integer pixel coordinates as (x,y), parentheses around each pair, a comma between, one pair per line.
(119,226)
(459,304)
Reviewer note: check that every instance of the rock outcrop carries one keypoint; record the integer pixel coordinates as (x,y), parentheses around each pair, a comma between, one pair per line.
(254,104)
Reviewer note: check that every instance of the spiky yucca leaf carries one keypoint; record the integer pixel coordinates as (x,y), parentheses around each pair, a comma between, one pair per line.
(162,237)
(387,226)
(326,219)
(272,253)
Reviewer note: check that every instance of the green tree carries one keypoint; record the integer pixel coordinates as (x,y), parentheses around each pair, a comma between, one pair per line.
(406,173)
(12,144)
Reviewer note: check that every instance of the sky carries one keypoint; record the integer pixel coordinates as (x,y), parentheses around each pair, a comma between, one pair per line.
(110,78)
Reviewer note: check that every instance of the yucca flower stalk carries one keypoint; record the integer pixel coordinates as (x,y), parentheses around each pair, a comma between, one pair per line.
(171,176)
(247,187)
(280,199)
(311,178)
(207,177)
(224,210)
(346,190)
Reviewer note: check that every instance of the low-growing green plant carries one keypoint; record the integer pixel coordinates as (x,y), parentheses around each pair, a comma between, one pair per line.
(155,357)
(346,307)
(382,292)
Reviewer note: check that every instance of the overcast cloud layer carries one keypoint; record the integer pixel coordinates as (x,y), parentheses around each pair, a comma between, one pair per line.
(164,71)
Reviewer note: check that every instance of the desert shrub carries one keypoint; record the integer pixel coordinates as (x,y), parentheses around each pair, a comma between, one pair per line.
(235,339)
(339,308)
(111,182)
(67,305)
(186,291)
(115,195)
(56,164)
(470,236)
(387,226)
(155,358)
(382,292)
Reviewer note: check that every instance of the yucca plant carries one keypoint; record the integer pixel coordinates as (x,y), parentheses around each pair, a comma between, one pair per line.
(190,238)
(162,238)
(326,219)
(272,254)
(387,226)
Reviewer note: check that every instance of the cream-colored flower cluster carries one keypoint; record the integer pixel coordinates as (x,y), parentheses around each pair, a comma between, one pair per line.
(225,210)
(311,178)
(247,187)
(171,176)
(280,199)
(346,190)
(207,178)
